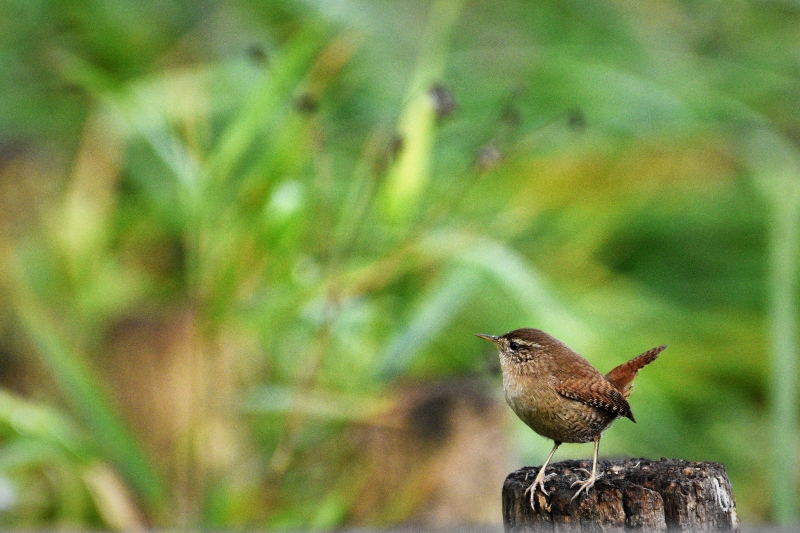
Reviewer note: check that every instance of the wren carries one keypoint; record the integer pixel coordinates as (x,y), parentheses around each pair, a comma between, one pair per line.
(560,395)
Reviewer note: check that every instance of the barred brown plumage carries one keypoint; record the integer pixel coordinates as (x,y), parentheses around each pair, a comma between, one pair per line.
(560,395)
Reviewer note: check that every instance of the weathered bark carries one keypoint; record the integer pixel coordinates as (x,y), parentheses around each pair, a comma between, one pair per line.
(632,494)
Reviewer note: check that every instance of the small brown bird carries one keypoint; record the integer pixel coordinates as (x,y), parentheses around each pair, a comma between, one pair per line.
(560,395)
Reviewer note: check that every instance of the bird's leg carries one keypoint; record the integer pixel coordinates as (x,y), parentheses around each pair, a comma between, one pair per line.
(540,477)
(589,483)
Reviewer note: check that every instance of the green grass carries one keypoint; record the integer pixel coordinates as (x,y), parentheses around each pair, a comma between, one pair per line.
(250,226)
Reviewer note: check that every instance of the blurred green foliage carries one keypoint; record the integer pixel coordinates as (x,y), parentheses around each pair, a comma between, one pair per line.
(299,206)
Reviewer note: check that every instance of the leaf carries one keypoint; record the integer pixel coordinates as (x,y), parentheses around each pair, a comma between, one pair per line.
(79,384)
(435,312)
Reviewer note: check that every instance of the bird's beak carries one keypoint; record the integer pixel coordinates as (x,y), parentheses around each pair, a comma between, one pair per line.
(490,338)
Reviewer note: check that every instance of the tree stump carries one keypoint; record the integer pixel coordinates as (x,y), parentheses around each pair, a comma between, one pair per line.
(632,494)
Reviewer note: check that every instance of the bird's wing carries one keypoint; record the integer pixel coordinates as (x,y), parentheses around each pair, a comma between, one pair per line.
(597,392)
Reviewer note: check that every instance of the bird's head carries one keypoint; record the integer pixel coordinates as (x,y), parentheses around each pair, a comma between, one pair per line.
(521,344)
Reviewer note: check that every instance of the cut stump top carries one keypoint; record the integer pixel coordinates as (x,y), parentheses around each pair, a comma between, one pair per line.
(632,494)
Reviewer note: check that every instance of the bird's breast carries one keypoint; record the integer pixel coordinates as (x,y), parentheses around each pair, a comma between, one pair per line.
(537,403)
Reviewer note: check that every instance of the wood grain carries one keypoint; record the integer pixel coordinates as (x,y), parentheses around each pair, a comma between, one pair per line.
(632,495)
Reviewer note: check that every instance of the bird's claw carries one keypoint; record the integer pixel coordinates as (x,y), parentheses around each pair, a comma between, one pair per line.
(591,475)
(538,481)
(585,485)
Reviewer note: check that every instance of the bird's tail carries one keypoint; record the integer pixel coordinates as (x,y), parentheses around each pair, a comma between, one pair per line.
(622,376)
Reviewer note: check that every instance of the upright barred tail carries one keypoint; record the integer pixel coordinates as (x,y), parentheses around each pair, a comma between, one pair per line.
(622,376)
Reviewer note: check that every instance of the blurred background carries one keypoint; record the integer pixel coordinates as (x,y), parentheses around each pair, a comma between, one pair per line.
(244,248)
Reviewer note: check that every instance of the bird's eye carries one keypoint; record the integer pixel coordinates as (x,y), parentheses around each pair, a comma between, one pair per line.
(514,345)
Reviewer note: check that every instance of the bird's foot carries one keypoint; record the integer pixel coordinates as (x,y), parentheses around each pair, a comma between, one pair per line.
(538,481)
(585,485)
(588,473)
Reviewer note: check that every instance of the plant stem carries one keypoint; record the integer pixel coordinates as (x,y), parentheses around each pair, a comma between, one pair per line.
(783,243)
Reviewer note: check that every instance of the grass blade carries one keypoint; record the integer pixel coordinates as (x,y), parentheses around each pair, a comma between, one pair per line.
(88,399)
